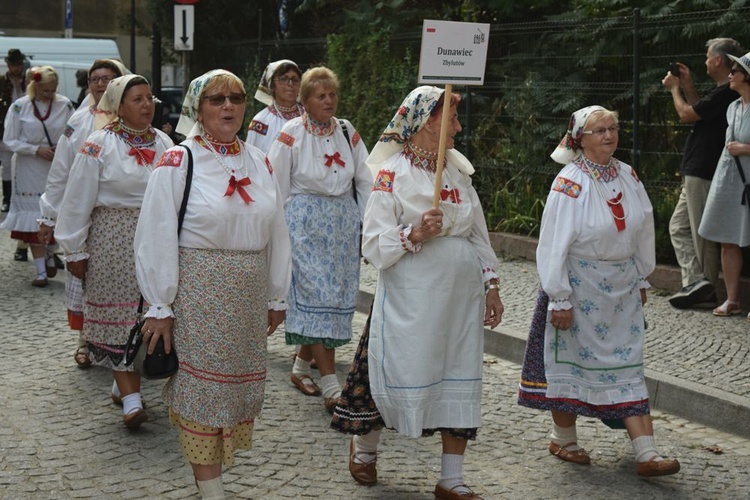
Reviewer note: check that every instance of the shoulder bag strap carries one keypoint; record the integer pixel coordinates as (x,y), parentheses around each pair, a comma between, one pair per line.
(746,188)
(183,207)
(349,142)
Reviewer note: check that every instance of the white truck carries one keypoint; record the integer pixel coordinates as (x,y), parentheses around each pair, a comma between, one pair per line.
(66,55)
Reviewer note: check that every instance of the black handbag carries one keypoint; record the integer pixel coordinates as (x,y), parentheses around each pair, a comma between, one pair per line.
(158,364)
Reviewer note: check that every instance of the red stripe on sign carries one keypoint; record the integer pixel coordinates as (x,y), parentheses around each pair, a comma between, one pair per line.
(430,30)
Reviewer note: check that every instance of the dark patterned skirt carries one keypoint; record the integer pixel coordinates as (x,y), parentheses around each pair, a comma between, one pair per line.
(356,412)
(533,384)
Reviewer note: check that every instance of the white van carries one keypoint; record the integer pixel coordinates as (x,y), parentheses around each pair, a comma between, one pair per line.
(66,55)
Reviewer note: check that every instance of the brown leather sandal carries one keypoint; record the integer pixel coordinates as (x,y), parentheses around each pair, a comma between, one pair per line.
(81,358)
(309,388)
(579,456)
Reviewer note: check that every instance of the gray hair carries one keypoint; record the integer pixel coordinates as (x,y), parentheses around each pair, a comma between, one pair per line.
(724,46)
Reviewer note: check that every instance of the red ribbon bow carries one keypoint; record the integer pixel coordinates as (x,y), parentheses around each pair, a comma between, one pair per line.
(615,206)
(335,158)
(142,154)
(239,185)
(451,194)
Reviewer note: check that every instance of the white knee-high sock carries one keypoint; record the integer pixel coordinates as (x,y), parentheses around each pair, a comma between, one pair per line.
(212,489)
(301,367)
(365,446)
(41,268)
(329,386)
(645,449)
(131,403)
(565,435)
(451,473)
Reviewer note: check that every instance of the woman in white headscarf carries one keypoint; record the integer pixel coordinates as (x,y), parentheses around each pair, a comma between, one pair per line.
(279,91)
(78,128)
(219,288)
(418,367)
(584,355)
(96,225)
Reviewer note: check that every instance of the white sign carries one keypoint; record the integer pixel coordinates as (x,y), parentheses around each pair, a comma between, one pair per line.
(453,52)
(184,24)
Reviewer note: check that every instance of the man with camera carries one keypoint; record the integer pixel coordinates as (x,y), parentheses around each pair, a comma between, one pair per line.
(699,258)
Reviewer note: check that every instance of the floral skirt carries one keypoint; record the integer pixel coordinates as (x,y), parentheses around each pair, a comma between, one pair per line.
(221,320)
(110,289)
(324,232)
(532,392)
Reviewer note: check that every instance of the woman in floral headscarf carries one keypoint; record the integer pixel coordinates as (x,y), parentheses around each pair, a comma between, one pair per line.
(221,283)
(584,355)
(420,356)
(96,224)
(278,90)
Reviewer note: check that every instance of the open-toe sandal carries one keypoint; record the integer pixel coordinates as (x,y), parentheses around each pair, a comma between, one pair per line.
(728,308)
(579,456)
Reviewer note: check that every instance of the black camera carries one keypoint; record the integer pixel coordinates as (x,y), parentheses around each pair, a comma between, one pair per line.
(674,69)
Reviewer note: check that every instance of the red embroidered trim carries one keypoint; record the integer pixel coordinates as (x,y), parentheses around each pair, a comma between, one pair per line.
(384,181)
(566,186)
(90,149)
(171,158)
(285,138)
(258,127)
(355,139)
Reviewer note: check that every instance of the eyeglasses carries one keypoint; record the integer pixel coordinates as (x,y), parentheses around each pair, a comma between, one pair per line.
(736,70)
(601,131)
(103,79)
(220,99)
(286,80)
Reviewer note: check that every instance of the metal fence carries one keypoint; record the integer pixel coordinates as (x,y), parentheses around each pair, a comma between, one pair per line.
(539,73)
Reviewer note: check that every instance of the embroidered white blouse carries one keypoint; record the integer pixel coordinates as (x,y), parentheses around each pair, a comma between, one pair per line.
(77,130)
(402,193)
(103,175)
(310,163)
(265,126)
(212,221)
(577,221)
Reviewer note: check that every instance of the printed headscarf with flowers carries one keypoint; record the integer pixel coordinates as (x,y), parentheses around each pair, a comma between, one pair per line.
(188,124)
(409,119)
(570,145)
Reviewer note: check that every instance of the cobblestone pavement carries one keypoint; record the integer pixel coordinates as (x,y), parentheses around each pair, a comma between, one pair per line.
(61,437)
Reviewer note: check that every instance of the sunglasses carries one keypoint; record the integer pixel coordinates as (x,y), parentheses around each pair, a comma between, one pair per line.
(737,70)
(220,99)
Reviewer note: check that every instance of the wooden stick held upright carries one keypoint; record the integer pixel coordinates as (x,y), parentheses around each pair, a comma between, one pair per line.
(441,145)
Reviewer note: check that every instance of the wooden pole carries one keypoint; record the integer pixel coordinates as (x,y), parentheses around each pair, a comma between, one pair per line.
(441,146)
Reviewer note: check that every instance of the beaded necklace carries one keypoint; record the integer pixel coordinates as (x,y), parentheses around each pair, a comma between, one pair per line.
(36,111)
(318,129)
(136,139)
(226,147)
(421,158)
(288,112)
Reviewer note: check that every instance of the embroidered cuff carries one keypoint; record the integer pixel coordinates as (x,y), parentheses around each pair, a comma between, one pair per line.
(406,242)
(76,256)
(159,311)
(643,283)
(559,305)
(277,304)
